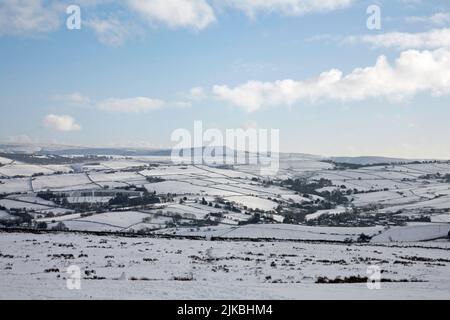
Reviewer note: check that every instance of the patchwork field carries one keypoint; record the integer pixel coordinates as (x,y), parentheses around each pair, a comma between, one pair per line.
(142,227)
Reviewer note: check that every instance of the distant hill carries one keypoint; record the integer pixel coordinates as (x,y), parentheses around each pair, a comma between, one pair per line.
(56,149)
(368,160)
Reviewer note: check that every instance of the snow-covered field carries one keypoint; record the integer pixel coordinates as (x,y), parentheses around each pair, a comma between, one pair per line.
(253,202)
(247,250)
(23,170)
(277,231)
(62,182)
(4,161)
(414,233)
(395,187)
(18,185)
(34,266)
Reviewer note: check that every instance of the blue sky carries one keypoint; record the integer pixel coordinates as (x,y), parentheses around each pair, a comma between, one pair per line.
(139,69)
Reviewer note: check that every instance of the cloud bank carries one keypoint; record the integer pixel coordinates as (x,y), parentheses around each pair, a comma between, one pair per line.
(131,105)
(28,17)
(412,73)
(287,7)
(433,39)
(197,14)
(32,17)
(61,123)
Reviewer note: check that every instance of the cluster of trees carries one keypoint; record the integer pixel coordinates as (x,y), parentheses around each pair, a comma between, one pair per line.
(436,176)
(294,217)
(347,218)
(335,196)
(256,218)
(154,179)
(360,217)
(307,187)
(120,200)
(133,187)
(20,218)
(48,195)
(222,204)
(124,200)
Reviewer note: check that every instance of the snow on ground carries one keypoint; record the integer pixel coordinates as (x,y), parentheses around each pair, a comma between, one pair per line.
(33,199)
(12,204)
(188,210)
(55,211)
(413,233)
(153,225)
(61,182)
(236,189)
(18,185)
(437,203)
(25,170)
(180,187)
(61,218)
(34,266)
(4,161)
(162,171)
(108,221)
(294,197)
(380,196)
(105,178)
(122,164)
(278,231)
(121,219)
(34,206)
(76,225)
(441,218)
(258,189)
(380,177)
(93,167)
(253,202)
(5,215)
(337,210)
(88,199)
(59,168)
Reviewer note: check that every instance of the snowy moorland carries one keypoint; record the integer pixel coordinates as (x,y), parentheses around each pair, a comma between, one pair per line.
(144,227)
(34,266)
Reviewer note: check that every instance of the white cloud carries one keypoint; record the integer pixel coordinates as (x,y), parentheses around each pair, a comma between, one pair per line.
(287,7)
(75,98)
(61,123)
(413,72)
(433,39)
(33,17)
(197,14)
(28,17)
(439,19)
(131,105)
(22,138)
(197,94)
(111,31)
(182,104)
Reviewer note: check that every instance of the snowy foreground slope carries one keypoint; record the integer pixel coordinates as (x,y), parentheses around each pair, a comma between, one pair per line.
(33,266)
